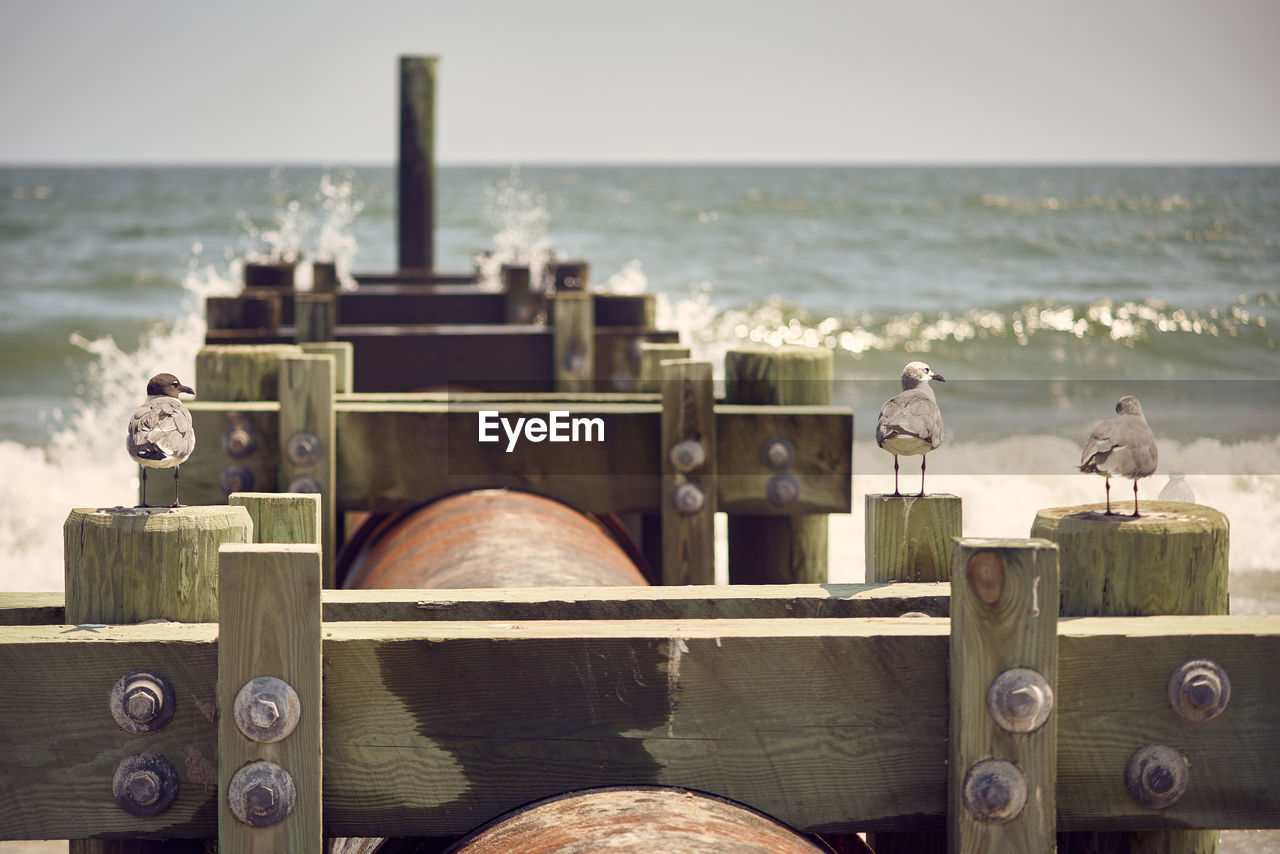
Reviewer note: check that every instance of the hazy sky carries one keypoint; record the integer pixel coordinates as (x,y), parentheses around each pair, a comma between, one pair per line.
(524,81)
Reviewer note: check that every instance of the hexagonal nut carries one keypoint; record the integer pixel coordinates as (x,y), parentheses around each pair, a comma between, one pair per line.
(994,791)
(141,702)
(144,784)
(261,794)
(266,709)
(1199,690)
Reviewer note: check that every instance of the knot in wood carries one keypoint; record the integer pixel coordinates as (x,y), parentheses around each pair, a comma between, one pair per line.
(986,576)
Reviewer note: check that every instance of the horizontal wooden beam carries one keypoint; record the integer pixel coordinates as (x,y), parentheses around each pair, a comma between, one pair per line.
(829,725)
(694,602)
(396,456)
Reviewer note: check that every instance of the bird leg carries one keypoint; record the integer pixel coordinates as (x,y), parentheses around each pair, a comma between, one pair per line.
(176,502)
(1108,483)
(896,493)
(144,503)
(922,460)
(1135,499)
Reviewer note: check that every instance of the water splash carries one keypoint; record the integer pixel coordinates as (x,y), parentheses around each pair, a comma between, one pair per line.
(520,221)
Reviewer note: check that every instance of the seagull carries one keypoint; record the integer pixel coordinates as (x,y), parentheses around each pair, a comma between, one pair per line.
(910,421)
(160,433)
(1123,446)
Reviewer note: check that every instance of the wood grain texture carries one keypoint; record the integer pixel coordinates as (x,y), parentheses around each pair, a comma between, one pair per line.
(688,416)
(315,315)
(573,341)
(1002,617)
(908,538)
(1170,560)
(125,565)
(256,467)
(794,549)
(281,517)
(306,407)
(269,603)
(416,175)
(343,358)
(830,725)
(652,355)
(237,372)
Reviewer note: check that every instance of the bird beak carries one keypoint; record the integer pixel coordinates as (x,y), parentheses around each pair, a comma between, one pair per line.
(939,377)
(188,389)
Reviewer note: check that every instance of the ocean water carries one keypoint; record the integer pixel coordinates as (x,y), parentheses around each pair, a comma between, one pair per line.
(1042,294)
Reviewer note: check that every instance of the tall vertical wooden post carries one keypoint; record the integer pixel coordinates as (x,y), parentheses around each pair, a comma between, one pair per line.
(307,439)
(1170,560)
(688,448)
(778,549)
(652,355)
(314,316)
(281,517)
(1001,794)
(520,303)
(417,185)
(269,725)
(130,565)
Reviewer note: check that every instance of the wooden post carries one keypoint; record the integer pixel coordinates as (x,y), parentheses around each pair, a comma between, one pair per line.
(269,728)
(260,311)
(521,303)
(1004,666)
(343,362)
(772,549)
(1170,560)
(417,175)
(131,565)
(639,311)
(324,277)
(307,439)
(652,356)
(269,274)
(569,275)
(281,517)
(237,372)
(314,316)
(908,538)
(573,341)
(688,449)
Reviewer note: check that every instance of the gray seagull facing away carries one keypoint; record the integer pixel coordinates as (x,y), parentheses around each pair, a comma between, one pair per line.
(1123,446)
(160,434)
(910,421)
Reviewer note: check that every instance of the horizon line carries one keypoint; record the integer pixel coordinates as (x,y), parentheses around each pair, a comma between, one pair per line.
(605,164)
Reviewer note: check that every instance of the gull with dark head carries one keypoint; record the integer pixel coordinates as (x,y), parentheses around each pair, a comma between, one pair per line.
(160,432)
(1123,446)
(910,421)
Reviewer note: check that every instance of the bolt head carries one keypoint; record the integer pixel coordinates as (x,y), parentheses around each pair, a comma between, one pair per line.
(783,490)
(688,499)
(141,705)
(143,787)
(259,799)
(264,711)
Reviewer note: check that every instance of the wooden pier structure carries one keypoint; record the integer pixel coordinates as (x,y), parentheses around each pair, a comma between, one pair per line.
(210,674)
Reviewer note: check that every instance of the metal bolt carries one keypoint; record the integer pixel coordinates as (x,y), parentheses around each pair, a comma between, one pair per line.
(261,794)
(1199,690)
(1020,700)
(266,709)
(688,499)
(235,479)
(1157,776)
(622,381)
(778,453)
(687,455)
(141,702)
(306,483)
(144,784)
(304,449)
(575,362)
(994,791)
(238,441)
(783,490)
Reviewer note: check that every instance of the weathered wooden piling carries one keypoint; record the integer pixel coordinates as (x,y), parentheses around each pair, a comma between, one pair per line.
(770,549)
(417,188)
(520,304)
(269,698)
(324,277)
(281,517)
(279,275)
(234,372)
(573,341)
(652,355)
(1170,560)
(314,315)
(308,439)
(909,538)
(1002,790)
(689,458)
(128,565)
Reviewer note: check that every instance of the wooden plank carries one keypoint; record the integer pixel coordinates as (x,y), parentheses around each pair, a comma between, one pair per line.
(652,354)
(617,354)
(687,451)
(414,304)
(308,441)
(519,302)
(416,175)
(635,310)
(822,441)
(269,626)
(573,341)
(415,745)
(237,449)
(1004,669)
(485,358)
(315,316)
(429,278)
(240,372)
(259,311)
(343,361)
(282,517)
(772,550)
(690,602)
